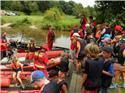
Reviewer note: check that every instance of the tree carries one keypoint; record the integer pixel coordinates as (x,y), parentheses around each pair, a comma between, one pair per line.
(108,9)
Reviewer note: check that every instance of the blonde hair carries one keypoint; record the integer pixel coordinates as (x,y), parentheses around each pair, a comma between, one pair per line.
(92,50)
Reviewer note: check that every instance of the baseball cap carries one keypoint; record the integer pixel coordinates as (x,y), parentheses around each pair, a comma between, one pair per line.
(76,34)
(108,49)
(36,75)
(118,28)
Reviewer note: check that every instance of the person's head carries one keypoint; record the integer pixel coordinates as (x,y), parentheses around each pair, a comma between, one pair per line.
(53,74)
(92,50)
(91,17)
(75,26)
(117,38)
(76,36)
(61,74)
(50,27)
(32,40)
(80,29)
(14,59)
(4,34)
(106,25)
(107,51)
(37,79)
(99,27)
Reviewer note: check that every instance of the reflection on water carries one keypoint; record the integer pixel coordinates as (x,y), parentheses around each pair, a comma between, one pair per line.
(62,41)
(62,38)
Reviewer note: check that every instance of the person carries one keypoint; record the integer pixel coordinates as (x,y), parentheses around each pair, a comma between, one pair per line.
(31,45)
(98,33)
(81,33)
(80,44)
(64,62)
(83,22)
(17,68)
(108,70)
(50,38)
(74,30)
(62,82)
(38,80)
(3,37)
(3,49)
(91,79)
(41,61)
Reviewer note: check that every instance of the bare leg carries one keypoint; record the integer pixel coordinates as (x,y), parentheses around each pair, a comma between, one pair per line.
(14,77)
(19,79)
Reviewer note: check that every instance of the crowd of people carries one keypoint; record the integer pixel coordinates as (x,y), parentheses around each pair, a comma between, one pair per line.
(97,54)
(97,51)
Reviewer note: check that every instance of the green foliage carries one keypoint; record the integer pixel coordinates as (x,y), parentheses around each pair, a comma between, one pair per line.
(23,22)
(29,7)
(108,10)
(65,23)
(53,14)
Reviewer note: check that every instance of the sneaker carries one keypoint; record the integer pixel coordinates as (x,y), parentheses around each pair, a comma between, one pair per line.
(23,87)
(112,86)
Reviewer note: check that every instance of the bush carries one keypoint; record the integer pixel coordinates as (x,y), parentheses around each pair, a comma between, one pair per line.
(22,22)
(53,14)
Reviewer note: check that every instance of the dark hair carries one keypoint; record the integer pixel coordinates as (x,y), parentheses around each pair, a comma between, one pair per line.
(91,17)
(53,73)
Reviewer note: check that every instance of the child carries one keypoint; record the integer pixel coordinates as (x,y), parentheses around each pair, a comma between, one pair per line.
(108,70)
(17,68)
(63,86)
(91,79)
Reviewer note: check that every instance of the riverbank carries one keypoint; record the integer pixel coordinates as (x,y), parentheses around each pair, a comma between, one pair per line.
(65,23)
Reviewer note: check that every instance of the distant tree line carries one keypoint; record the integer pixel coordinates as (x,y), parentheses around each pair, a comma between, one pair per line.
(102,11)
(70,8)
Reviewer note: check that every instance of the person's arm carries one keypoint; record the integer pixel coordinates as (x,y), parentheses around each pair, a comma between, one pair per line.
(110,71)
(85,73)
(78,49)
(64,89)
(39,66)
(21,65)
(84,77)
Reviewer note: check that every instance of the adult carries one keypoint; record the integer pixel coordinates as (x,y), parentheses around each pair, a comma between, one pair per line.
(50,37)
(74,30)
(40,81)
(80,44)
(83,22)
(81,33)
(92,25)
(41,61)
(3,37)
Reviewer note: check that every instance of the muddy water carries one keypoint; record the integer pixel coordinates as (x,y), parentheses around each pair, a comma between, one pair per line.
(62,37)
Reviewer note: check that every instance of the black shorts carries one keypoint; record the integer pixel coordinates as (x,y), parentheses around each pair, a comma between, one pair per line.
(17,70)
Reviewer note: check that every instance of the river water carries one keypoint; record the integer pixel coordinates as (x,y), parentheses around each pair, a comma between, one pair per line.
(62,37)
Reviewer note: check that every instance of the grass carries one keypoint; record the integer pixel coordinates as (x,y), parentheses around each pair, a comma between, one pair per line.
(65,23)
(13,19)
